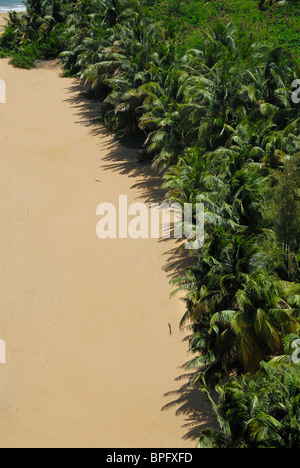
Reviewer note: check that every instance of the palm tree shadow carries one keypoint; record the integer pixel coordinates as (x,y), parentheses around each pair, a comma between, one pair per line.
(119,158)
(177,259)
(87,110)
(191,403)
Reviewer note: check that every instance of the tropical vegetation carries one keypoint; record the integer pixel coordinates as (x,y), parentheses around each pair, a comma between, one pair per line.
(258,411)
(212,106)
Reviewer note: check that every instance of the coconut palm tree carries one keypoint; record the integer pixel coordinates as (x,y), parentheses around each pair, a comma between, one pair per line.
(259,411)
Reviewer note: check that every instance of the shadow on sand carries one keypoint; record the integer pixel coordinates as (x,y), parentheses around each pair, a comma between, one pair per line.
(190,402)
(187,400)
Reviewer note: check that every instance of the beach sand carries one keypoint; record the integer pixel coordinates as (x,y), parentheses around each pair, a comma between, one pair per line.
(85,321)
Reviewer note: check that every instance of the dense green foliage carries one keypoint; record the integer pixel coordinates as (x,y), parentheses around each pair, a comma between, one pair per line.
(213,109)
(273,21)
(37,35)
(260,411)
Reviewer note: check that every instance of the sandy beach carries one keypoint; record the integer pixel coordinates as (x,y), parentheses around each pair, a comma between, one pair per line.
(90,362)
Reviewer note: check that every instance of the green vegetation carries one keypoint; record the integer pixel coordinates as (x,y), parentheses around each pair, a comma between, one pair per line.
(273,21)
(206,88)
(37,35)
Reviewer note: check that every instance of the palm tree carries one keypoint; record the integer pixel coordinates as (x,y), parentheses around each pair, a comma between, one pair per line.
(259,411)
(233,294)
